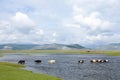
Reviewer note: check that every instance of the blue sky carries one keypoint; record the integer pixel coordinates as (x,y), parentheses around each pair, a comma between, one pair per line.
(86,22)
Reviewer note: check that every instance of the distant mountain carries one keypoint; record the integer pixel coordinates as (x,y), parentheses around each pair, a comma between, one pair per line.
(76,46)
(17,46)
(111,46)
(40,47)
(58,47)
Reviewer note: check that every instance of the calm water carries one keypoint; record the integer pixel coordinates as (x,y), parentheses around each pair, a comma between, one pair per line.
(68,68)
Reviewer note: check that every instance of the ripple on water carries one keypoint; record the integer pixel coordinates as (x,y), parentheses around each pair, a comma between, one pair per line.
(67,66)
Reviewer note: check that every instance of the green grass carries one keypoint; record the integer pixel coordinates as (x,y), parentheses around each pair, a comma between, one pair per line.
(112,53)
(10,71)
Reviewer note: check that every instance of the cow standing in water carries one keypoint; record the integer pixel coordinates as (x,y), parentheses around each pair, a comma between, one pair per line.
(51,61)
(93,61)
(99,61)
(105,61)
(38,61)
(21,62)
(81,61)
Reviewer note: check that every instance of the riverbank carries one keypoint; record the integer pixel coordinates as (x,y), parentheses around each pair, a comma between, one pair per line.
(10,71)
(106,52)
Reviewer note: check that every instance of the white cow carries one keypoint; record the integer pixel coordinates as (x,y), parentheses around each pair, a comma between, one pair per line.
(93,60)
(51,61)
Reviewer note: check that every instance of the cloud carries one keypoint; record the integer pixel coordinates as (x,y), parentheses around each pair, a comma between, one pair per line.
(91,19)
(73,21)
(39,32)
(22,19)
(18,28)
(54,34)
(4,25)
(21,22)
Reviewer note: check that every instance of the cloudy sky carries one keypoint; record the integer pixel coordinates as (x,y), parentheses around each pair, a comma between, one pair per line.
(86,22)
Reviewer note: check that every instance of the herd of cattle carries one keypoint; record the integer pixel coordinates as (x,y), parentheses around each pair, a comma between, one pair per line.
(80,61)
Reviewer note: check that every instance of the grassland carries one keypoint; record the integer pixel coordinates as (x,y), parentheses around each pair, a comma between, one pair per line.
(112,53)
(10,71)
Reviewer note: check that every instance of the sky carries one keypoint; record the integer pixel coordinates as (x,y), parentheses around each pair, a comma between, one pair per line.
(85,22)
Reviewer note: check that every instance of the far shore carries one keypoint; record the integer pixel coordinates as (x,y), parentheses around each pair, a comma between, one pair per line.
(105,52)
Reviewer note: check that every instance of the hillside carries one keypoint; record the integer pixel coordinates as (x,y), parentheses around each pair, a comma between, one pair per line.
(40,46)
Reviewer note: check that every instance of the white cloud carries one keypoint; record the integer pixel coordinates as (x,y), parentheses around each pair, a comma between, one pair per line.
(100,38)
(22,19)
(5,27)
(95,37)
(54,34)
(95,23)
(72,25)
(39,32)
(77,10)
(43,21)
(22,23)
(89,19)
(92,20)
(114,3)
(53,41)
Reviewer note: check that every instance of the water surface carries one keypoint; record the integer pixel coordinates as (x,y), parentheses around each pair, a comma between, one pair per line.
(68,68)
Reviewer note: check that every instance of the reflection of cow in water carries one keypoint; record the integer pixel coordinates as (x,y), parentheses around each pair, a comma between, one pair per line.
(21,62)
(38,61)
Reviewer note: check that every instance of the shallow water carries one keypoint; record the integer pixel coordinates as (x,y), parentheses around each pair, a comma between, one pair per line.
(68,68)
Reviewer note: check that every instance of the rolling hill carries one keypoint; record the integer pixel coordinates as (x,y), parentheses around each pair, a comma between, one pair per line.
(40,46)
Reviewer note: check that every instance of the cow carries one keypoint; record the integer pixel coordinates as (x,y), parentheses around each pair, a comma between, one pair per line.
(81,61)
(51,61)
(21,62)
(38,61)
(99,61)
(105,60)
(93,61)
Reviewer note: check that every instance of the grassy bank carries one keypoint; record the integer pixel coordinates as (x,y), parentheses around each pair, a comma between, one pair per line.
(113,53)
(10,71)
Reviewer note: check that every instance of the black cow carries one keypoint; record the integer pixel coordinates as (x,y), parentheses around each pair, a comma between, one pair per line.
(38,61)
(21,62)
(105,60)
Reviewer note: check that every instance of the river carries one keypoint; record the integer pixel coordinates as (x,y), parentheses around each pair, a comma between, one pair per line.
(67,66)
